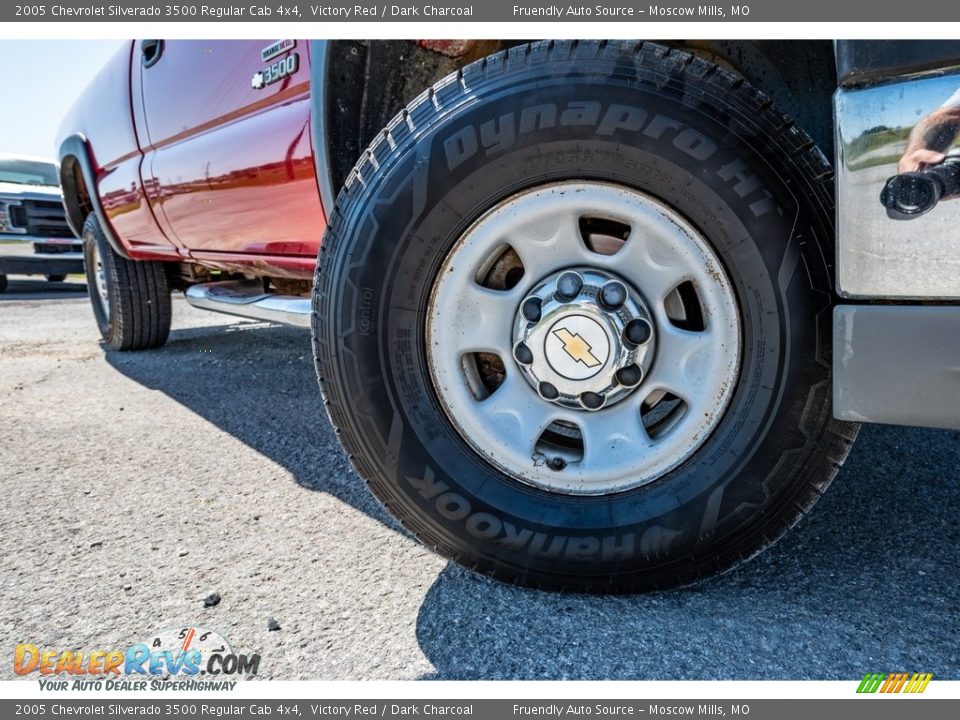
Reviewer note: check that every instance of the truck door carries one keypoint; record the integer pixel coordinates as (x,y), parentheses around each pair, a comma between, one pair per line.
(229,167)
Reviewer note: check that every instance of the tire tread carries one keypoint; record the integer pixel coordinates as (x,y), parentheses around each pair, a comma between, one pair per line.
(140,297)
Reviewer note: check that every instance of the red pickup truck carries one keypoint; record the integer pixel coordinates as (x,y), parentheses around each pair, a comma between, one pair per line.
(573,303)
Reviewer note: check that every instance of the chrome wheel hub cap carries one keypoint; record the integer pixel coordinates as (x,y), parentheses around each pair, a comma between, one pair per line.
(583,339)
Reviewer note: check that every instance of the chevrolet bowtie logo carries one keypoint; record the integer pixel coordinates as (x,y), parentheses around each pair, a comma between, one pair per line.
(576,347)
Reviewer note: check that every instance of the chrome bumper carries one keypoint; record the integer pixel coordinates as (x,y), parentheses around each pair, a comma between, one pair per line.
(879,257)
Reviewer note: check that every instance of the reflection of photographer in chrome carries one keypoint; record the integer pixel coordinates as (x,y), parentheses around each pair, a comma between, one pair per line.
(932,137)
(926,173)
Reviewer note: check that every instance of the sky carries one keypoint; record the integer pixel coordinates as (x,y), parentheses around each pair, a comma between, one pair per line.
(41,79)
(899,104)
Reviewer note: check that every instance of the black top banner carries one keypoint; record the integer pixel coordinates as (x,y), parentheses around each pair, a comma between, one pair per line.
(482,10)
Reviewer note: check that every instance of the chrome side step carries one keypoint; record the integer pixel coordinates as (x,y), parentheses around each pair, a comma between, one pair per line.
(246,298)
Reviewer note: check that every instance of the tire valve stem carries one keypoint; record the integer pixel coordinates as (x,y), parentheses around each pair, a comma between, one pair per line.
(557,463)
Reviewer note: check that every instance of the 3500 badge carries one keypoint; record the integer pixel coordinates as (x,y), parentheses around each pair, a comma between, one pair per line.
(276,71)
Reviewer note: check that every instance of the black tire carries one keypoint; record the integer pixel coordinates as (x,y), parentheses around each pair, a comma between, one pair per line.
(3,283)
(137,313)
(762,196)
(56,278)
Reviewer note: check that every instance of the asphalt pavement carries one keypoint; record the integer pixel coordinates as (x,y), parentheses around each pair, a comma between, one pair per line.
(137,484)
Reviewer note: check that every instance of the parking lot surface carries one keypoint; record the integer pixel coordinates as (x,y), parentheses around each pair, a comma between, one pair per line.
(135,485)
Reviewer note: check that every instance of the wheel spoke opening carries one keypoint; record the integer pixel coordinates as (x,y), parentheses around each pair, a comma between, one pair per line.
(561,444)
(660,412)
(501,270)
(683,308)
(483,372)
(604,236)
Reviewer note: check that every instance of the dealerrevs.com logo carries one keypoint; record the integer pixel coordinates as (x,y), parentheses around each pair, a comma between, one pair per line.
(175,658)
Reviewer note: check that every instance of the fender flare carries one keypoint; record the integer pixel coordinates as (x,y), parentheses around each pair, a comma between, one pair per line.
(76,149)
(319,134)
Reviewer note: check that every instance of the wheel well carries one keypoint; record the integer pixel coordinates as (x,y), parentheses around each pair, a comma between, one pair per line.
(76,197)
(369,81)
(799,75)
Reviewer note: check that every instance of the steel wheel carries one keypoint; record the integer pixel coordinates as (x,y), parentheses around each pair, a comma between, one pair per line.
(583,337)
(572,318)
(98,293)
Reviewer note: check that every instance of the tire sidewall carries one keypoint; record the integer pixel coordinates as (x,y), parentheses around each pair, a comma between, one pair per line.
(417,208)
(93,239)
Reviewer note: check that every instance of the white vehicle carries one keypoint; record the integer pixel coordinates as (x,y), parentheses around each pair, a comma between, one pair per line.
(31,212)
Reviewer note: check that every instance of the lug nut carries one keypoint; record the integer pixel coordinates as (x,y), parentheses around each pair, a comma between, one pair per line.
(630,375)
(591,400)
(523,354)
(638,331)
(569,285)
(531,309)
(613,295)
(548,391)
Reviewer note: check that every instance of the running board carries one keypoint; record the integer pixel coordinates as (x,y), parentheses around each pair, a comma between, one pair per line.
(246,298)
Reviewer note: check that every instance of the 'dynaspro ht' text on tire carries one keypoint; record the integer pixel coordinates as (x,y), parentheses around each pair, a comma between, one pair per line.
(573,318)
(131,300)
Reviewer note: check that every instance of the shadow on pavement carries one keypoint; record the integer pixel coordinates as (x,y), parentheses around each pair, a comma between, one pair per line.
(869,582)
(257,382)
(42,289)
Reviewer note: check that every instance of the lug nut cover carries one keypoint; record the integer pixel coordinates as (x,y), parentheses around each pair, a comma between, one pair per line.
(523,354)
(548,391)
(582,338)
(591,400)
(569,285)
(630,375)
(613,295)
(638,331)
(531,309)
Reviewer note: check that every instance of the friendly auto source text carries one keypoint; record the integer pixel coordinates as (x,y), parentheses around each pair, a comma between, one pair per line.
(554,710)
(624,11)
